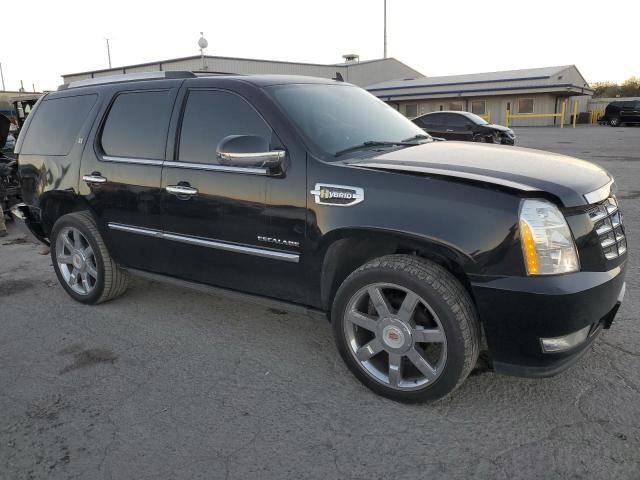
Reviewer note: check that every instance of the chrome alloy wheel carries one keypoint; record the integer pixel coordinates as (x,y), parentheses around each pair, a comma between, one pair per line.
(395,336)
(76,261)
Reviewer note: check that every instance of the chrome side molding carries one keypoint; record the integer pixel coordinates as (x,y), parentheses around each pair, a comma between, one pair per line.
(137,161)
(204,242)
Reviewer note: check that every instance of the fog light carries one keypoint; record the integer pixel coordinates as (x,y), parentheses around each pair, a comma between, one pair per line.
(565,342)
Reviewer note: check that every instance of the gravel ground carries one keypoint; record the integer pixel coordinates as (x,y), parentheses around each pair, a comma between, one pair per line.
(170,383)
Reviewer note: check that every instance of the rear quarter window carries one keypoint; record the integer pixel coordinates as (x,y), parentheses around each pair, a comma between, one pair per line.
(56,125)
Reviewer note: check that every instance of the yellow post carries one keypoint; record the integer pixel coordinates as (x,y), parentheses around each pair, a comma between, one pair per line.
(575,112)
(489,116)
(506,119)
(564,106)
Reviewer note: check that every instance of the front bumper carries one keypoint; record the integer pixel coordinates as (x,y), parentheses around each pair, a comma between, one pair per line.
(517,312)
(507,140)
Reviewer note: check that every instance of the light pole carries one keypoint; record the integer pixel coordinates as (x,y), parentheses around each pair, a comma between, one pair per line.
(202,43)
(108,53)
(385,29)
(2,75)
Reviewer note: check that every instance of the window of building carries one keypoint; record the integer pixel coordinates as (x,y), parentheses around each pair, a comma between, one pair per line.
(411,110)
(137,125)
(525,105)
(56,126)
(212,115)
(479,107)
(457,105)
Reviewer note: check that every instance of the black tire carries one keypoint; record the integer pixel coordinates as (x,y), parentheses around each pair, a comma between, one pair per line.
(615,121)
(480,139)
(445,296)
(111,281)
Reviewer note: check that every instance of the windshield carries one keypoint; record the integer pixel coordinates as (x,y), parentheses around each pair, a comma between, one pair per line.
(335,118)
(476,119)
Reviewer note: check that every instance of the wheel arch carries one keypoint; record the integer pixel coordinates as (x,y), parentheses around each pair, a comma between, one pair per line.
(55,204)
(345,250)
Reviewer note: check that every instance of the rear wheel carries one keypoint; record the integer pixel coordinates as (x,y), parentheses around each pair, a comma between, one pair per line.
(82,262)
(406,328)
(614,121)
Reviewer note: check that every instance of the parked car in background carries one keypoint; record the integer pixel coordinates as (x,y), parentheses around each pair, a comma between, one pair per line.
(619,113)
(464,126)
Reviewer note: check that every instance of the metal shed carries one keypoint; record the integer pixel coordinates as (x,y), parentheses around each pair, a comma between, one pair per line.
(356,72)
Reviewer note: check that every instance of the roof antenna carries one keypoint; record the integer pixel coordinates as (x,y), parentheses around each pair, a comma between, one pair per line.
(338,77)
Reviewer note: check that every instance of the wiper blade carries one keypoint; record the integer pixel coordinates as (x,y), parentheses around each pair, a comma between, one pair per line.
(420,136)
(371,143)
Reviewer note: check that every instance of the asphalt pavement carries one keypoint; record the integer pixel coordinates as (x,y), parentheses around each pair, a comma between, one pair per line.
(167,383)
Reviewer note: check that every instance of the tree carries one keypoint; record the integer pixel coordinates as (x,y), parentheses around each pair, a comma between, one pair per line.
(629,88)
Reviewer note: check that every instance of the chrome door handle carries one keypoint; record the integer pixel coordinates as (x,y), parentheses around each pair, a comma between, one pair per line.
(181,190)
(94,179)
(448,130)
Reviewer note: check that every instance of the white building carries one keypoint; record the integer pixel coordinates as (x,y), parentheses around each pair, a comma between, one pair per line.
(535,90)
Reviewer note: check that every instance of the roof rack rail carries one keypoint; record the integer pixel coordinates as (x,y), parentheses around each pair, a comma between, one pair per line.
(129,77)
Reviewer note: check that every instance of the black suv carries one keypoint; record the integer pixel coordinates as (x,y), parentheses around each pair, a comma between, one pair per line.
(315,196)
(619,113)
(464,126)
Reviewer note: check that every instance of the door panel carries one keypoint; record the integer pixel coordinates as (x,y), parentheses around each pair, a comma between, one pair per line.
(127,156)
(238,231)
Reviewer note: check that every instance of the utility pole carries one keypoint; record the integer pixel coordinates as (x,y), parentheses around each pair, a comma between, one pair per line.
(108,52)
(2,75)
(385,29)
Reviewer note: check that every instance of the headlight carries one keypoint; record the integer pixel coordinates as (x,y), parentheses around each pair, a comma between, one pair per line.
(547,243)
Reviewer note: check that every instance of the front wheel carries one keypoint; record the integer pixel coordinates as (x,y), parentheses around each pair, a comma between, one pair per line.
(406,328)
(614,121)
(82,262)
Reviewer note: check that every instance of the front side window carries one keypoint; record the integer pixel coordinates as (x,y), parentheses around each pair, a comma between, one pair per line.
(479,107)
(456,120)
(334,117)
(56,125)
(137,124)
(456,105)
(212,115)
(525,105)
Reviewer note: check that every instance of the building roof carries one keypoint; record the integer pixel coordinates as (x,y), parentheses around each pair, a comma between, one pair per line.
(559,78)
(239,59)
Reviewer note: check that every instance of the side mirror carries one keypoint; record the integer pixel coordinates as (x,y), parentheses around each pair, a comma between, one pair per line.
(468,126)
(250,151)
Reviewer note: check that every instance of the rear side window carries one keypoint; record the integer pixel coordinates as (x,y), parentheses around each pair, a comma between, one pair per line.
(56,125)
(431,120)
(137,124)
(210,116)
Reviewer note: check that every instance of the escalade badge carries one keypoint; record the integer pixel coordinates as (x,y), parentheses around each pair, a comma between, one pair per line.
(337,195)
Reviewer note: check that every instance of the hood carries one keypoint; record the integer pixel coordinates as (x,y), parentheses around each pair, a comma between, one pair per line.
(500,128)
(523,169)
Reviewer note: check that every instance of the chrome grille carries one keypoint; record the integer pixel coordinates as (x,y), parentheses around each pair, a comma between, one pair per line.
(607,222)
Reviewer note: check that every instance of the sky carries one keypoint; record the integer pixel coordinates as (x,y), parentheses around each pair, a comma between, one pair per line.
(49,39)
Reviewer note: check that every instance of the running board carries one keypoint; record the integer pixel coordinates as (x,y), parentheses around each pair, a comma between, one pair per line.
(232,294)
